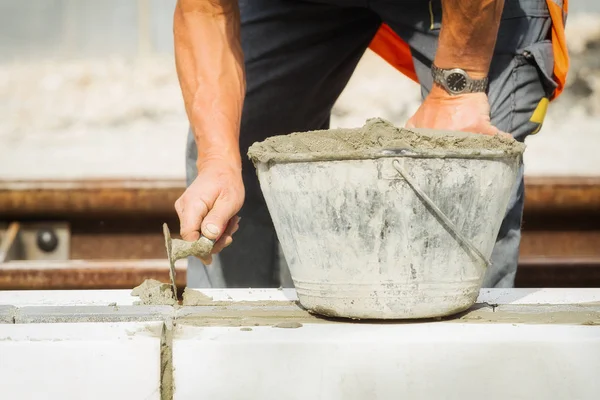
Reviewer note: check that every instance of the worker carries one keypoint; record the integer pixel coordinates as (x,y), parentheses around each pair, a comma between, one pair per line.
(257,68)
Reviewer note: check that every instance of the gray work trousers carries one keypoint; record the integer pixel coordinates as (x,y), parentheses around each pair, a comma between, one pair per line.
(299,56)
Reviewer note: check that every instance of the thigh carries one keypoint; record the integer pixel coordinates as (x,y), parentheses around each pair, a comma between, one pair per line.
(299,57)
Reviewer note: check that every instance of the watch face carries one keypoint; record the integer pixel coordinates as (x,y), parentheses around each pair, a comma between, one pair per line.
(456,82)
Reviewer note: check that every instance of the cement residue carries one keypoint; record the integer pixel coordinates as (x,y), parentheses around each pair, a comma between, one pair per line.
(248,314)
(167,387)
(294,316)
(572,314)
(288,325)
(153,292)
(193,297)
(374,137)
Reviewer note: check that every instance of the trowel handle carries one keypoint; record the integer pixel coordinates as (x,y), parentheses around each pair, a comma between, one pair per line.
(201,248)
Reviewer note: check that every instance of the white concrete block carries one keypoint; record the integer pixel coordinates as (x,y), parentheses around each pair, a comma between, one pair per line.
(60,314)
(22,298)
(7,314)
(388,361)
(80,361)
(26,298)
(284,294)
(539,296)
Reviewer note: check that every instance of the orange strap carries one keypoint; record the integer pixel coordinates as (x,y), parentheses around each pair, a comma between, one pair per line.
(389,46)
(559,44)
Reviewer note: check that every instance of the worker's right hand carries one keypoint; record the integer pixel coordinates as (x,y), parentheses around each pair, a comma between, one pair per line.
(210,204)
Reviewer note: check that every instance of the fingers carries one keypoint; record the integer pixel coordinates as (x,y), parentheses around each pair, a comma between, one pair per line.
(227,238)
(504,134)
(206,260)
(190,216)
(492,131)
(216,220)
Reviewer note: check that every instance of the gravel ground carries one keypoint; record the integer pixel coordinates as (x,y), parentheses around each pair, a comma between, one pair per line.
(111,118)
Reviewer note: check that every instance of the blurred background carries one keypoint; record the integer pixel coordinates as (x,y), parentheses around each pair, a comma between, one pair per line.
(92,145)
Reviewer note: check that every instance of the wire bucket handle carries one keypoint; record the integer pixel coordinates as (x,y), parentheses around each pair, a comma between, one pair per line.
(449,224)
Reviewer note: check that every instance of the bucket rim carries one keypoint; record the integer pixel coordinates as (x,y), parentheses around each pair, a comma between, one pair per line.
(479,154)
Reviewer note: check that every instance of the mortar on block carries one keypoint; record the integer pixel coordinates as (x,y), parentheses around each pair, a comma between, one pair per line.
(387,223)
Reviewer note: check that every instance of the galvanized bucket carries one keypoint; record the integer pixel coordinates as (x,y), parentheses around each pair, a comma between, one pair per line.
(393,234)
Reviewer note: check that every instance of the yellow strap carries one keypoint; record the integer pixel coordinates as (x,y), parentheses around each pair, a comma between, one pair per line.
(540,111)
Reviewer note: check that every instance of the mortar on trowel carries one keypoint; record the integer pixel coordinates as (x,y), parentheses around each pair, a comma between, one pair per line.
(178,249)
(387,223)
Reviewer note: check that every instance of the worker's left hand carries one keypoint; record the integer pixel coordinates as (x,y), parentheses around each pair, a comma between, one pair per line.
(466,112)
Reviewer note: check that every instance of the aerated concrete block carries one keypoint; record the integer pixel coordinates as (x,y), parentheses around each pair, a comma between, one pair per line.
(81,361)
(352,361)
(7,314)
(58,314)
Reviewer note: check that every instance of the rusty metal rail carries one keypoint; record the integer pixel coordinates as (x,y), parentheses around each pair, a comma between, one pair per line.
(121,220)
(79,274)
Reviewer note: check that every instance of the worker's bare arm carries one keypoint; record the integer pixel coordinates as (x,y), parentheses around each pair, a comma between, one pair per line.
(468,35)
(467,41)
(210,68)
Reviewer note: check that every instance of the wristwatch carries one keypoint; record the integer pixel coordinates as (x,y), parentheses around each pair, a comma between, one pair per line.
(457,81)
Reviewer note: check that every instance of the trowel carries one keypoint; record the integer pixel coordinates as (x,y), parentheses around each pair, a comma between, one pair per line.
(178,249)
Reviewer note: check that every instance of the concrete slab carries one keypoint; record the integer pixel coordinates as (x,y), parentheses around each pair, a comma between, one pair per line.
(60,314)
(7,314)
(81,361)
(388,361)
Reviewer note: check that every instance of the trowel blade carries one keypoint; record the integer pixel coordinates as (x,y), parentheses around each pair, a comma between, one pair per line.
(168,245)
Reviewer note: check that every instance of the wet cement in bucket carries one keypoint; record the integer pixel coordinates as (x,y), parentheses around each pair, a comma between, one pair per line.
(376,135)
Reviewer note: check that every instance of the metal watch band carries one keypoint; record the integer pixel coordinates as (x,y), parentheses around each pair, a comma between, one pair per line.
(440,76)
(479,85)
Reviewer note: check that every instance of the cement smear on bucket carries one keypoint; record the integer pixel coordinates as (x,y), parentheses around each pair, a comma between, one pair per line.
(153,292)
(376,135)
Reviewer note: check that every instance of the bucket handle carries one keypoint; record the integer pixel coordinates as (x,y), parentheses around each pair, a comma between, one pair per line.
(466,242)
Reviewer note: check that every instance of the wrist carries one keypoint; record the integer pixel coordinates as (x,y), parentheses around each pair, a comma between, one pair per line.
(476,68)
(440,93)
(218,148)
(217,141)
(230,158)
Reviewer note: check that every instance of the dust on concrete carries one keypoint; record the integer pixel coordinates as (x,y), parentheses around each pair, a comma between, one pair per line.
(372,139)
(153,292)
(193,297)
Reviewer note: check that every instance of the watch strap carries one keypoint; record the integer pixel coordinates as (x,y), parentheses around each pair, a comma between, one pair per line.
(473,85)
